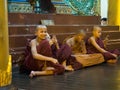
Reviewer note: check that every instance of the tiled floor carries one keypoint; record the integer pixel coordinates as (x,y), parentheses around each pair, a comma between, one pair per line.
(100,77)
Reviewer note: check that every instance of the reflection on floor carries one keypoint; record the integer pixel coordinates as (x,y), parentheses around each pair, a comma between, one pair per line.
(100,77)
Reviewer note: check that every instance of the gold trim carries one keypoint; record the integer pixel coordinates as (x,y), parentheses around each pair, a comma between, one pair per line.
(5,78)
(6,75)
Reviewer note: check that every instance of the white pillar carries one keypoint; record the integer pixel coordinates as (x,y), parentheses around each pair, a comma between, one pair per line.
(104,8)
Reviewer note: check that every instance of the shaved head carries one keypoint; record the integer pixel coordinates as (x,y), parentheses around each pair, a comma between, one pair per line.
(96,28)
(40,26)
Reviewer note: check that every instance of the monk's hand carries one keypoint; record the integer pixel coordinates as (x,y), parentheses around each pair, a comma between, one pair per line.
(54,60)
(114,55)
(54,39)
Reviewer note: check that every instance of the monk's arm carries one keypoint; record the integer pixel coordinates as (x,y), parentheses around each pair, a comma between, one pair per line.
(92,40)
(84,48)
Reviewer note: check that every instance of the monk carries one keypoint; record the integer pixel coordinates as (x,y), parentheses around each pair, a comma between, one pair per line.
(96,45)
(39,58)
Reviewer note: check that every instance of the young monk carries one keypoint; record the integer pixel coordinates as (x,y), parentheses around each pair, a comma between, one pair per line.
(78,47)
(39,59)
(77,43)
(96,45)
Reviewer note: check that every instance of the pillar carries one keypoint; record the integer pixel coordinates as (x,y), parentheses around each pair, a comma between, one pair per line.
(5,59)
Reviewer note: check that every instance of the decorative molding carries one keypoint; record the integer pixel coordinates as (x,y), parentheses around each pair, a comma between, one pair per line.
(78,7)
(63,9)
(22,7)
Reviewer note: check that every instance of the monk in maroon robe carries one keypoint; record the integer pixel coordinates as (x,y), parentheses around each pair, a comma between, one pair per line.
(36,65)
(95,45)
(39,58)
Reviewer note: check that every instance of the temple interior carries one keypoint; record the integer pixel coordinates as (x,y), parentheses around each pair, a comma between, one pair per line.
(63,18)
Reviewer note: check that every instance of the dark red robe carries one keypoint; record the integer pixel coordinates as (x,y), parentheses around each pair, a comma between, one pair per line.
(64,53)
(36,65)
(107,56)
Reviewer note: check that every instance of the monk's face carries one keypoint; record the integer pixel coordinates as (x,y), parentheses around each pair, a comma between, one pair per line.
(41,33)
(97,33)
(80,38)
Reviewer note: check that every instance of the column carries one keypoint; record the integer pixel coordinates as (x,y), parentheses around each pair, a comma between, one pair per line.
(114,12)
(5,60)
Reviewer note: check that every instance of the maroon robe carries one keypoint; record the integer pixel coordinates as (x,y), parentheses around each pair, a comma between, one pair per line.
(36,65)
(107,55)
(64,53)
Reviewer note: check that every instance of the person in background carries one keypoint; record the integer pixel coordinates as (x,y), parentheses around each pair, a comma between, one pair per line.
(96,45)
(104,22)
(47,6)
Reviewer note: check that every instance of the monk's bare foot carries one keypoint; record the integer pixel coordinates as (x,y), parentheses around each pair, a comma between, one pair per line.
(112,61)
(32,74)
(69,68)
(49,68)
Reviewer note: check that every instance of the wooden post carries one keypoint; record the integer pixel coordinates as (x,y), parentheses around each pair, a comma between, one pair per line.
(114,12)
(5,61)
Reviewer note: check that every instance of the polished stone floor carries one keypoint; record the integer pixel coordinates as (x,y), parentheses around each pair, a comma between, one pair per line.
(100,77)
